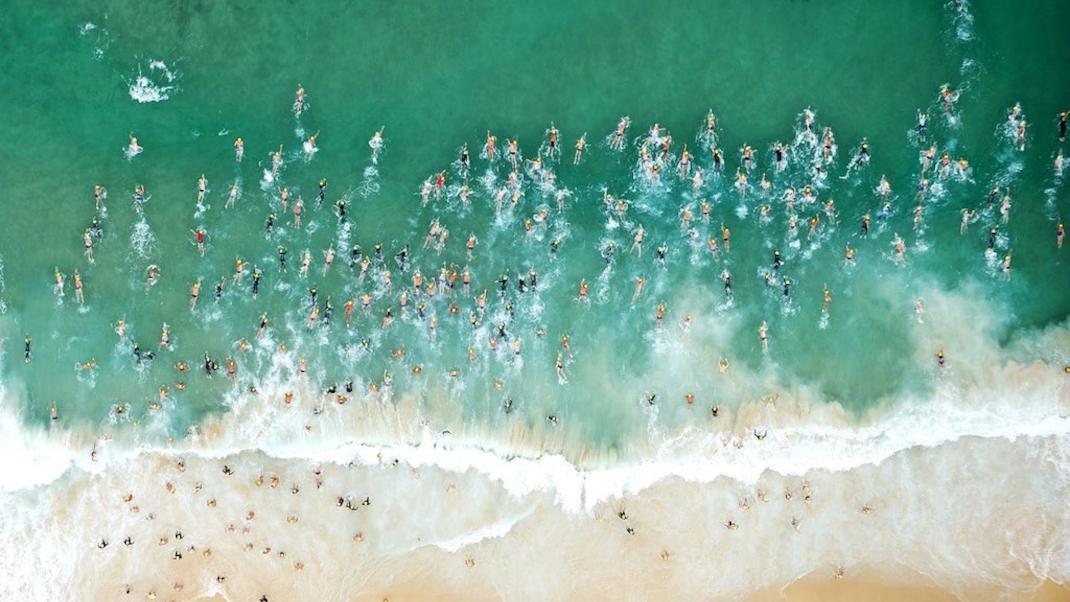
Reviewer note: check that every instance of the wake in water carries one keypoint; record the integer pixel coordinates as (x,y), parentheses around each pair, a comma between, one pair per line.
(155,85)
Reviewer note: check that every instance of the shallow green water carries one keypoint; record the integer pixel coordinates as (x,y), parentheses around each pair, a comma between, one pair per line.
(440,75)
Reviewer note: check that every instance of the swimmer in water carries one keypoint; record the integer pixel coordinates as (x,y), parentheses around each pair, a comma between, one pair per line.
(309,146)
(194,292)
(763,336)
(299,101)
(233,195)
(1060,233)
(581,145)
(58,287)
(78,294)
(133,148)
(967,215)
(376,143)
(1062,126)
(199,236)
(87,242)
(919,310)
(940,361)
(637,240)
(489,146)
(239,149)
(99,194)
(949,98)
(617,141)
(202,188)
(639,282)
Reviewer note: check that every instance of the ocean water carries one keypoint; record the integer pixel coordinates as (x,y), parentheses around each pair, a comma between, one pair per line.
(555,438)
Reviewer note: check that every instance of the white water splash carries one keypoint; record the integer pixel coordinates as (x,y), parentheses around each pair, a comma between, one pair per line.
(155,86)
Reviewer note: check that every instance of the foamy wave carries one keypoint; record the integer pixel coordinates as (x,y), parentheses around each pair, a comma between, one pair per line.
(156,88)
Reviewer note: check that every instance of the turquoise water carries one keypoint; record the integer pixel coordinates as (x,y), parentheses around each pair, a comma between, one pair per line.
(680,461)
(438,77)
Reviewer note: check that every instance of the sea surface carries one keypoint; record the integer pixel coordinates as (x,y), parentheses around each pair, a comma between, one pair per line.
(773,328)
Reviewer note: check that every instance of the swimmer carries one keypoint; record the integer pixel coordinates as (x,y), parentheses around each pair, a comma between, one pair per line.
(780,161)
(1007,266)
(199,236)
(58,287)
(617,141)
(27,349)
(299,101)
(328,259)
(551,141)
(828,300)
(581,145)
(1005,208)
(120,329)
(884,189)
(763,336)
(202,188)
(133,149)
(921,127)
(489,146)
(919,309)
(281,252)
(639,282)
(78,294)
(900,248)
(376,143)
(194,292)
(514,153)
(637,240)
(940,361)
(949,97)
(1060,233)
(233,195)
(276,161)
(299,207)
(1062,126)
(239,149)
(87,242)
(99,194)
(583,290)
(263,325)
(967,215)
(165,336)
(726,277)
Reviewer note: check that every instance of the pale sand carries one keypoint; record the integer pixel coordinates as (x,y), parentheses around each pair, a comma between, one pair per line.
(854,589)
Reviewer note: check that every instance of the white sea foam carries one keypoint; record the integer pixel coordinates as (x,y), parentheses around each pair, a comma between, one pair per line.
(156,85)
